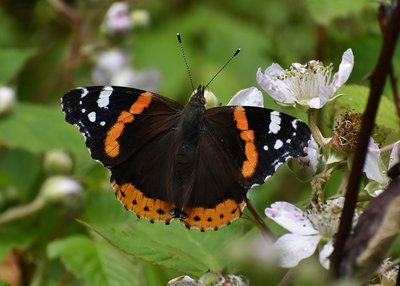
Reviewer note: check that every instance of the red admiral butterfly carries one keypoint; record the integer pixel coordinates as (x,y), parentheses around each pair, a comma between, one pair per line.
(188,163)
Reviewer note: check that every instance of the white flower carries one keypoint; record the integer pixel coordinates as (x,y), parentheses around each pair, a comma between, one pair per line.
(248,97)
(310,85)
(311,159)
(7,99)
(149,79)
(114,68)
(319,222)
(374,168)
(108,64)
(117,19)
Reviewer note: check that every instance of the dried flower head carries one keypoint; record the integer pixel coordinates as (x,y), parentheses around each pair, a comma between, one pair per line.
(347,131)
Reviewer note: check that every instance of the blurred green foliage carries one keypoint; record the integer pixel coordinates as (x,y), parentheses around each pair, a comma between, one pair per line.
(47,48)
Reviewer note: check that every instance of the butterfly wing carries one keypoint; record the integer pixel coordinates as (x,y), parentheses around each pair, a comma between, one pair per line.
(240,147)
(118,121)
(131,132)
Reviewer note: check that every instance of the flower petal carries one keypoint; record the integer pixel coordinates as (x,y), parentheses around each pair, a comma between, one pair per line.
(311,159)
(292,248)
(394,155)
(325,254)
(316,103)
(276,88)
(345,68)
(290,217)
(371,167)
(248,97)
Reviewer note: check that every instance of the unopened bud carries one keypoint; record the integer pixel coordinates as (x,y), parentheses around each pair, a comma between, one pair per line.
(57,162)
(57,188)
(7,99)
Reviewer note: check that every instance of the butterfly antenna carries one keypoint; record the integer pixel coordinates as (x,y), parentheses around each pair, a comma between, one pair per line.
(184,58)
(231,58)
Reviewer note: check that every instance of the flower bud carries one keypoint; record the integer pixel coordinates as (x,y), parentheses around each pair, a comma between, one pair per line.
(7,99)
(211,99)
(140,18)
(57,188)
(57,162)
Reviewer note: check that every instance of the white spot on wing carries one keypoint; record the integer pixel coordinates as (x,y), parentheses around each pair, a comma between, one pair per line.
(275,124)
(104,97)
(289,140)
(84,92)
(265,147)
(102,123)
(83,110)
(278,144)
(294,123)
(92,116)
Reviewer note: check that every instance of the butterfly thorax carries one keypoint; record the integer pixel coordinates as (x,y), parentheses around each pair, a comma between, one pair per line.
(189,129)
(192,117)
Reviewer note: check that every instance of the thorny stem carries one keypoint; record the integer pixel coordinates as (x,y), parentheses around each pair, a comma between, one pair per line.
(377,84)
(383,21)
(258,220)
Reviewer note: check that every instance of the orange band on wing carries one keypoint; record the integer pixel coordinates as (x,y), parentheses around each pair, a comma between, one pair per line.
(247,135)
(212,218)
(158,210)
(134,200)
(111,144)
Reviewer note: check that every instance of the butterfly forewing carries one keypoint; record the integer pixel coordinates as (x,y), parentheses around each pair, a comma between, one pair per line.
(105,114)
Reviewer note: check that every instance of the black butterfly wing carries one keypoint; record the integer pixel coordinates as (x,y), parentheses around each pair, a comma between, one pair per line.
(118,121)
(240,147)
(274,138)
(131,132)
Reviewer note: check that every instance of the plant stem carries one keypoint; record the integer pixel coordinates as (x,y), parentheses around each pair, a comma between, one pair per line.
(259,221)
(377,78)
(22,211)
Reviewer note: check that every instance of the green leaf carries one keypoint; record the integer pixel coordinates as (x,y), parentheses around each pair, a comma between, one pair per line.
(356,97)
(324,11)
(96,262)
(189,251)
(12,60)
(13,163)
(112,211)
(4,283)
(14,236)
(37,128)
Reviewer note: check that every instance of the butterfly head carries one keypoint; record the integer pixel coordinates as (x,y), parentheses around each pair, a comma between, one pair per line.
(206,97)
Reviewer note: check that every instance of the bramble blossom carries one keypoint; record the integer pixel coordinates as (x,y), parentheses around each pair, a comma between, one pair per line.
(310,85)
(117,19)
(248,97)
(307,229)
